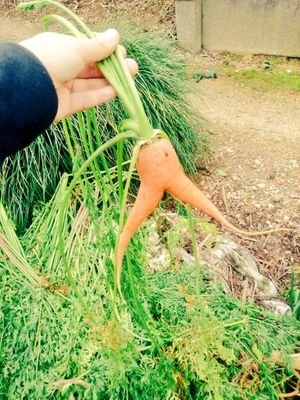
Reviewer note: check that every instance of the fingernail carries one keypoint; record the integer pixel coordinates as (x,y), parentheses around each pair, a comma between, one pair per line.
(111,35)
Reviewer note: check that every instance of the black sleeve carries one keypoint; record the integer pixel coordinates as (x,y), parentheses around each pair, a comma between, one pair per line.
(28,100)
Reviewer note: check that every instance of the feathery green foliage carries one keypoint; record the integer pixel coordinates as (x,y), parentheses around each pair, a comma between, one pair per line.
(173,340)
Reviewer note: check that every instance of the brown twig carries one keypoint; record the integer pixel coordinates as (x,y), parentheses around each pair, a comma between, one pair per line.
(225,200)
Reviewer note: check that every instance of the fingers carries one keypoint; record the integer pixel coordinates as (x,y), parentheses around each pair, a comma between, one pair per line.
(80,101)
(83,100)
(123,50)
(132,66)
(99,47)
(85,85)
(91,71)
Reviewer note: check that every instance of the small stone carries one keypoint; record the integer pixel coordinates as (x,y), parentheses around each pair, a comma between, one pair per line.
(222,173)
(261,185)
(277,197)
(294,164)
(277,306)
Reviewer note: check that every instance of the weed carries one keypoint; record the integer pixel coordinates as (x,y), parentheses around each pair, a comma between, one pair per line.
(294,292)
(269,80)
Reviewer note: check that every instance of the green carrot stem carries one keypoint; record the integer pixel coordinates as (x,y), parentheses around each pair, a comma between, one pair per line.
(62,216)
(120,160)
(195,247)
(118,73)
(123,210)
(105,66)
(63,21)
(133,160)
(17,259)
(147,130)
(88,150)
(68,139)
(83,134)
(99,143)
(99,178)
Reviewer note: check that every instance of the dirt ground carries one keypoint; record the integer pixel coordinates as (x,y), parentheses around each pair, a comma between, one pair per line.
(254,173)
(150,14)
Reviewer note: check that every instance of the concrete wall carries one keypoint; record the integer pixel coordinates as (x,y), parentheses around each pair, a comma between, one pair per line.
(242,26)
(188,23)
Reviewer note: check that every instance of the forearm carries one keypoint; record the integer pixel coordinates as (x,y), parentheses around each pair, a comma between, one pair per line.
(28,99)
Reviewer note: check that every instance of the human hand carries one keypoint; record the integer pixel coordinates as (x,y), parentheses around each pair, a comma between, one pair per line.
(70,63)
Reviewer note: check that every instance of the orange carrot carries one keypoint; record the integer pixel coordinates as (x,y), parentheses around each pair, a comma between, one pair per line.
(160,171)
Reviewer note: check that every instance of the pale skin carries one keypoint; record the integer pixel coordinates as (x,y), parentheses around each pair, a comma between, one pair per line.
(70,63)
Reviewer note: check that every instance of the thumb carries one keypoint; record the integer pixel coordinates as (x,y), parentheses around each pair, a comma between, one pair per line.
(100,47)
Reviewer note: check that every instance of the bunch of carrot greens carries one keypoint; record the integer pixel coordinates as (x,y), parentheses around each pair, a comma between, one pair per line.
(211,345)
(137,125)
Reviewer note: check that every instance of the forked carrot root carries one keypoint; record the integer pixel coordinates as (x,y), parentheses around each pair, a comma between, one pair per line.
(160,171)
